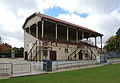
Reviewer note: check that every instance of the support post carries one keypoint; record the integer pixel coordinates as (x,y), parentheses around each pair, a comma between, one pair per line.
(89,38)
(101,41)
(95,41)
(42,28)
(39,51)
(77,36)
(67,34)
(36,51)
(56,31)
(29,31)
(37,30)
(82,34)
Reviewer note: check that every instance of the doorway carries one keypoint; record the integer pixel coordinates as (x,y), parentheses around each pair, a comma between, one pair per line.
(80,55)
(53,55)
(26,55)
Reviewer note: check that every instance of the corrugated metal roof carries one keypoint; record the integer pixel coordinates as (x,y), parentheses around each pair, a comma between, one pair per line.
(61,21)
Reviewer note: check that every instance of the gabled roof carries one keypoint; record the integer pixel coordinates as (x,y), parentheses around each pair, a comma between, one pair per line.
(61,21)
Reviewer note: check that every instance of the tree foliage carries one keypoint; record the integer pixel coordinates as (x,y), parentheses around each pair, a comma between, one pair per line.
(113,43)
(18,51)
(5,50)
(5,47)
(118,40)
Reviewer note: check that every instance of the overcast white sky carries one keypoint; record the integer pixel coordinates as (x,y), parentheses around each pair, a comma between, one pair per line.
(102,16)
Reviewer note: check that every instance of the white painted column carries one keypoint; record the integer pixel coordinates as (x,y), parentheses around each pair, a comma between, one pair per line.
(95,41)
(56,31)
(76,35)
(42,38)
(67,34)
(39,51)
(82,34)
(42,28)
(89,37)
(101,41)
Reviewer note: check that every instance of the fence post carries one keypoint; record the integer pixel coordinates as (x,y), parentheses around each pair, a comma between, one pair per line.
(31,55)
(30,68)
(66,65)
(57,67)
(11,68)
(39,65)
(71,65)
(79,64)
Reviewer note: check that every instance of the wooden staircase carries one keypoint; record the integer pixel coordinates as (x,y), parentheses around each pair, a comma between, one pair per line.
(35,52)
(87,54)
(72,56)
(32,53)
(86,49)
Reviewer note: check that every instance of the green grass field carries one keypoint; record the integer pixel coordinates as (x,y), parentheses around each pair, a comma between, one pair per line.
(104,74)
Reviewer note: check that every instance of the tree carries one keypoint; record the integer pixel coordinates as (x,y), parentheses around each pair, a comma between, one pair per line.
(118,41)
(113,43)
(5,47)
(5,50)
(18,51)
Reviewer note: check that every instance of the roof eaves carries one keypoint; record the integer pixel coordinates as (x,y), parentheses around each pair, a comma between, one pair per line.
(68,23)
